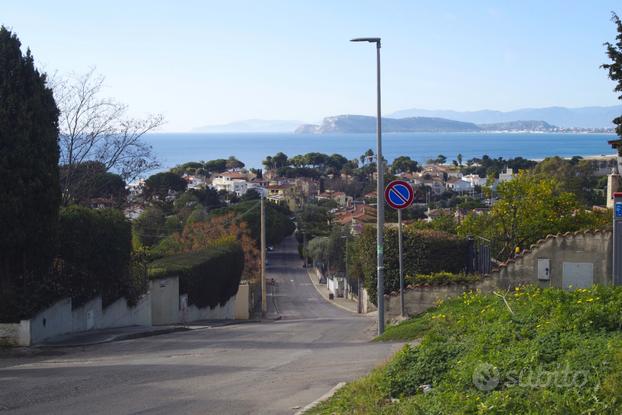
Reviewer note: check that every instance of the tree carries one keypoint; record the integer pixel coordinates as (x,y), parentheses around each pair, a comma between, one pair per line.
(29,176)
(216,166)
(150,226)
(403,164)
(91,180)
(159,185)
(97,129)
(614,52)
(459,159)
(529,208)
(251,194)
(233,163)
(440,159)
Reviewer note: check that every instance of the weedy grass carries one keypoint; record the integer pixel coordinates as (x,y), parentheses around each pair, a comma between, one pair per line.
(529,351)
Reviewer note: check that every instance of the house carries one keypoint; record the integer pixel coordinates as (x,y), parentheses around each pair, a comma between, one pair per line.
(356,217)
(475,179)
(436,185)
(339,197)
(231,182)
(458,185)
(284,193)
(506,175)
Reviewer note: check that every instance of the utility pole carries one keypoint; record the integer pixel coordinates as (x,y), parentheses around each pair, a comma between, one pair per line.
(264,300)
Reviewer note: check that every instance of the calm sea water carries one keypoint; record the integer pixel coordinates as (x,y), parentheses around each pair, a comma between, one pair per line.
(177,148)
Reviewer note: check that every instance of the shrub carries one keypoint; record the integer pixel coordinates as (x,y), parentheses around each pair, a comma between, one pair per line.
(441,278)
(209,277)
(96,250)
(425,251)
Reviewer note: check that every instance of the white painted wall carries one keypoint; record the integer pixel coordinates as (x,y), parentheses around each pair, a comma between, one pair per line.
(86,317)
(15,334)
(57,319)
(118,314)
(164,300)
(193,313)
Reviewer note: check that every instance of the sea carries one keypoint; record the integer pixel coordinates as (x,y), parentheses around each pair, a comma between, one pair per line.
(251,148)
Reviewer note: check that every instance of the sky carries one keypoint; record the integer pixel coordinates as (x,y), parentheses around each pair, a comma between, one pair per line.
(212,62)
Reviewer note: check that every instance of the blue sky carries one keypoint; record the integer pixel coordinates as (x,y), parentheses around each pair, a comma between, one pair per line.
(208,62)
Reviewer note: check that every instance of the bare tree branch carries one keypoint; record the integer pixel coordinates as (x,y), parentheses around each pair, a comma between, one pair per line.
(97,129)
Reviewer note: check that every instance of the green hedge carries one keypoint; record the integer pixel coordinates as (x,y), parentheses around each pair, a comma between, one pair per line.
(425,252)
(441,278)
(96,253)
(209,277)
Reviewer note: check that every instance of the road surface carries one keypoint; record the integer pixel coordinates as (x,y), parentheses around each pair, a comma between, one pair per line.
(253,368)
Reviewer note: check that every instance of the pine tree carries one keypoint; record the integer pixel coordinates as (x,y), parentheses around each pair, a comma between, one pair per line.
(614,51)
(29,175)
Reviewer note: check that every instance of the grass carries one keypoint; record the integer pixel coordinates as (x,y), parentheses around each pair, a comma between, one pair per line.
(538,351)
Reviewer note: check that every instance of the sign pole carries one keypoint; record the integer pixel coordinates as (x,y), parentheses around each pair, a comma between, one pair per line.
(399,244)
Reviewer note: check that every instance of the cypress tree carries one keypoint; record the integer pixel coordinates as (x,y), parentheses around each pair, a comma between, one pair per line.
(614,51)
(29,177)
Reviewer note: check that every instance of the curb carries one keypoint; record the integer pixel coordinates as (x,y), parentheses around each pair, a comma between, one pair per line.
(115,338)
(328,301)
(322,398)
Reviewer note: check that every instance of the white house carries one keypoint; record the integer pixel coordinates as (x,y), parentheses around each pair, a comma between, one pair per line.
(474,180)
(231,182)
(458,185)
(506,175)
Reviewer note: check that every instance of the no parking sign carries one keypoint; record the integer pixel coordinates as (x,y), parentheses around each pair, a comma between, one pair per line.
(399,194)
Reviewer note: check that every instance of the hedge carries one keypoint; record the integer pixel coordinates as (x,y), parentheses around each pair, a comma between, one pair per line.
(96,253)
(425,252)
(209,277)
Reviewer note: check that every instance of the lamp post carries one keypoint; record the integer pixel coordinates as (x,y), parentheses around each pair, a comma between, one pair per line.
(379,189)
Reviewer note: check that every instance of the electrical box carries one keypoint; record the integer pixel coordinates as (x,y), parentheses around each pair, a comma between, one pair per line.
(544,269)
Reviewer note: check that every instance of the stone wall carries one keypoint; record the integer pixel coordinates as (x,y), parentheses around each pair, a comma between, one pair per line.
(569,255)
(570,260)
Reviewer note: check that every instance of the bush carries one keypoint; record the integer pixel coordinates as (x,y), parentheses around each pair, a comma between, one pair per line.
(278,224)
(209,277)
(441,278)
(96,251)
(425,251)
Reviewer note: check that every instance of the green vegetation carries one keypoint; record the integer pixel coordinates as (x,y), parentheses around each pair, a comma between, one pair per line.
(425,252)
(614,52)
(441,278)
(210,277)
(96,252)
(535,351)
(29,177)
(529,208)
(160,184)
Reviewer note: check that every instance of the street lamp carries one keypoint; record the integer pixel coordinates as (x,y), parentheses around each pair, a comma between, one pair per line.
(379,189)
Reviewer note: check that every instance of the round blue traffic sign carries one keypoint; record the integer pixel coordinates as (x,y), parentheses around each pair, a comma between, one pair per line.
(399,194)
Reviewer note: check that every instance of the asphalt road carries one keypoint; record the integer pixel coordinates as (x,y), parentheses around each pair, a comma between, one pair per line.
(253,368)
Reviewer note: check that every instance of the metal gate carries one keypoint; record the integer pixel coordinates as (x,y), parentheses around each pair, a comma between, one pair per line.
(478,261)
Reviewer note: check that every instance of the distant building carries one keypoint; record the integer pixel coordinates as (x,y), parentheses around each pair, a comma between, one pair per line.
(458,185)
(231,182)
(506,175)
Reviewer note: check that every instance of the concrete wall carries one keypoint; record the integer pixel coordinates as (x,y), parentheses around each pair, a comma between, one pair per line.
(421,298)
(193,313)
(243,303)
(118,314)
(164,300)
(367,305)
(589,247)
(86,317)
(55,320)
(580,258)
(15,334)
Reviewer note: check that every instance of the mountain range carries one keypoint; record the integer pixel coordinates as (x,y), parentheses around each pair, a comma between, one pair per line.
(584,117)
(526,119)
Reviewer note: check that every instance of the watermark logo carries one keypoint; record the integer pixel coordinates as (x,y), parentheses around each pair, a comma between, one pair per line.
(486,377)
